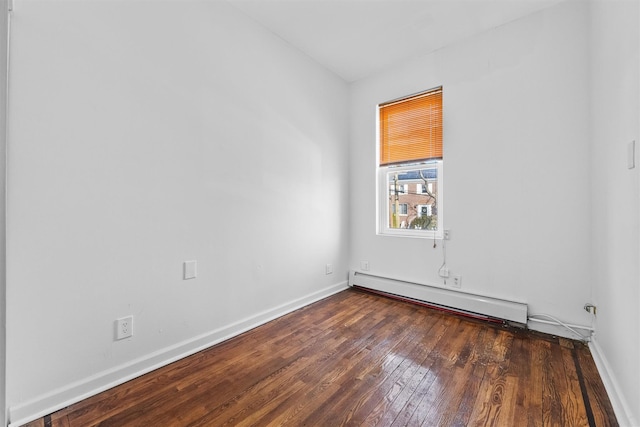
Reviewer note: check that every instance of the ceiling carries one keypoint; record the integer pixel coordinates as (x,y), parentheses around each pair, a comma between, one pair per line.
(357,38)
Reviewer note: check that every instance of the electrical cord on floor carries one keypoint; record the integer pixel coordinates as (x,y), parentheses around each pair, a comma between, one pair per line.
(559,322)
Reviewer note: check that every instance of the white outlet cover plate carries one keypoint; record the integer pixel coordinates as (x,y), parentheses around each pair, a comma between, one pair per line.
(124,327)
(457,282)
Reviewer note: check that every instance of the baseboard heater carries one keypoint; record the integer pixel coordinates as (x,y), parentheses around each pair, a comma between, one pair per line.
(479,306)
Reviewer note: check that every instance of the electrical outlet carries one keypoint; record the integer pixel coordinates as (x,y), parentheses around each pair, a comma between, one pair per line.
(124,327)
(457,281)
(447,234)
(328,269)
(364,265)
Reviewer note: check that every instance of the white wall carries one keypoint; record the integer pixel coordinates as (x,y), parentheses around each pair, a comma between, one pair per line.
(3,144)
(614,123)
(142,135)
(516,164)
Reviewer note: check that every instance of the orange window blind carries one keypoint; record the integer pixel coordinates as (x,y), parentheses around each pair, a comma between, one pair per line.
(411,129)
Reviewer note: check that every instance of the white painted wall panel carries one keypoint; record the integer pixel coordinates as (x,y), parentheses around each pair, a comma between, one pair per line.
(516,164)
(4,33)
(144,134)
(614,123)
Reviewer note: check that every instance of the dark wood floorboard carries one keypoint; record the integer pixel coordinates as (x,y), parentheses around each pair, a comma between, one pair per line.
(359,359)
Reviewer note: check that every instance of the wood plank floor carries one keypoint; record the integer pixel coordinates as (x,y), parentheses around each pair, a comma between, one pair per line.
(363,360)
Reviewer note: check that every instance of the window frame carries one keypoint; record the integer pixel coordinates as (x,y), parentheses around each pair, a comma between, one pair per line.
(382,182)
(383,197)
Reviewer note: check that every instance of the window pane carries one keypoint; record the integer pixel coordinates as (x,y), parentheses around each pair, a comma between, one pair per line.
(412,201)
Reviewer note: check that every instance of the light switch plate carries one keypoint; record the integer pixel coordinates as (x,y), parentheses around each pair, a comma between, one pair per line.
(190,269)
(328,269)
(631,155)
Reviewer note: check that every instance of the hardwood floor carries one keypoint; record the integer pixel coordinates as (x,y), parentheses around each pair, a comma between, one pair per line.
(361,359)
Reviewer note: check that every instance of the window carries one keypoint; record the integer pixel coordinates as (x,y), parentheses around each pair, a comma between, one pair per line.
(425,210)
(402,209)
(422,189)
(410,166)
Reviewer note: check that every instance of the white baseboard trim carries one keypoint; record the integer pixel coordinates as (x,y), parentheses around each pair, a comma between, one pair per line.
(620,406)
(559,330)
(80,390)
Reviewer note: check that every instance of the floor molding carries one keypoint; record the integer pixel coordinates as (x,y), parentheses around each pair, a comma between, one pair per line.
(620,406)
(75,392)
(559,330)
